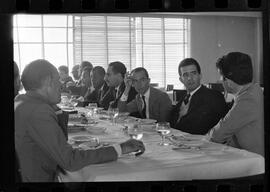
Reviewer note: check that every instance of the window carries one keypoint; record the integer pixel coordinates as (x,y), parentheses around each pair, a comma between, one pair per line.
(47,37)
(155,42)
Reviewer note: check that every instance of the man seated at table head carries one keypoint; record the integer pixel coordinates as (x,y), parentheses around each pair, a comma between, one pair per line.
(40,143)
(149,102)
(115,78)
(243,126)
(201,108)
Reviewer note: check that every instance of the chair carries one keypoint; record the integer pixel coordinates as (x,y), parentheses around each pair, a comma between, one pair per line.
(216,86)
(154,84)
(179,94)
(169,87)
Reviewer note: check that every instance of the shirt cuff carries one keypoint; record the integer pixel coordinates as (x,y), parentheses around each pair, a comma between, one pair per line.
(124,97)
(118,149)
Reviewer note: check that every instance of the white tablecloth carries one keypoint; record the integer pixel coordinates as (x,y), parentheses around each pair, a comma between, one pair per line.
(214,161)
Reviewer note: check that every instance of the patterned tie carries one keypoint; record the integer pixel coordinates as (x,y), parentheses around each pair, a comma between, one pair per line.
(186,99)
(143,108)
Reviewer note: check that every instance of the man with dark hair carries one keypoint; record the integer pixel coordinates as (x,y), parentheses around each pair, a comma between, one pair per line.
(243,126)
(149,102)
(64,77)
(79,88)
(40,143)
(99,85)
(201,108)
(115,79)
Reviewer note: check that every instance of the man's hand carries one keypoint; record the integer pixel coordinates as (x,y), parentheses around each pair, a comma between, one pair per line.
(128,81)
(132,145)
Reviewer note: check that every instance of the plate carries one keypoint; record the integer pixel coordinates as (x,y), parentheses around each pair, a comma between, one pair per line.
(194,143)
(147,121)
(94,143)
(96,129)
(81,138)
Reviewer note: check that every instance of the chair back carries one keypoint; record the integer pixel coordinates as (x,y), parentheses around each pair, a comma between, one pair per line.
(178,94)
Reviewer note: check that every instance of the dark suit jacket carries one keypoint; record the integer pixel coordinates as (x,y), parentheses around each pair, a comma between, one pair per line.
(207,107)
(159,105)
(105,96)
(131,95)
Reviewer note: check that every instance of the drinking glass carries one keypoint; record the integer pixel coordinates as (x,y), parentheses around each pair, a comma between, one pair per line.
(135,133)
(92,109)
(163,128)
(115,115)
(64,100)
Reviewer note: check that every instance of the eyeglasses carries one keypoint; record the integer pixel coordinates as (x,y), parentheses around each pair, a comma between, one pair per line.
(138,80)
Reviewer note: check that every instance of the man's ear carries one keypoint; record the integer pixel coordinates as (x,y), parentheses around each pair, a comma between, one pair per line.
(46,81)
(180,79)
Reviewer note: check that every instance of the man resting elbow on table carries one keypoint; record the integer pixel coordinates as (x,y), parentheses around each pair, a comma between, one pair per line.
(149,102)
(243,126)
(40,143)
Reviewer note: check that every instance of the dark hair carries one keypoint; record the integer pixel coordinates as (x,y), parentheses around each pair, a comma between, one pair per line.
(118,67)
(35,72)
(63,68)
(187,62)
(75,68)
(237,67)
(99,70)
(86,64)
(139,69)
(87,69)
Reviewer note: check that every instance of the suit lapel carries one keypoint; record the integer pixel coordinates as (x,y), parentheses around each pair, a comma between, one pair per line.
(194,99)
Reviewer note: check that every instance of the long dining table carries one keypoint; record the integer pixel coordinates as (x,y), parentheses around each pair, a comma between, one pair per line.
(164,163)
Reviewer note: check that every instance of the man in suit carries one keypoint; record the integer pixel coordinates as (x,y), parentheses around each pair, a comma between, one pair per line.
(115,79)
(149,102)
(201,108)
(40,142)
(78,88)
(243,126)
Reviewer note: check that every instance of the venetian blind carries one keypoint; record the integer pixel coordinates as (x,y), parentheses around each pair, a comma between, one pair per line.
(156,43)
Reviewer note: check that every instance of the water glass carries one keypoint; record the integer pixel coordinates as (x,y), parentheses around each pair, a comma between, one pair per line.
(92,109)
(163,128)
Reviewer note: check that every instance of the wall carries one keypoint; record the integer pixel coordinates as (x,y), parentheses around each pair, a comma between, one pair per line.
(214,36)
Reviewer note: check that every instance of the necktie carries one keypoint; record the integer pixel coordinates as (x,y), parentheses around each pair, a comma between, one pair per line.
(143,108)
(186,99)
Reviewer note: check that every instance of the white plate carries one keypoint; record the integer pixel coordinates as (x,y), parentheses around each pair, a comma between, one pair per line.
(81,138)
(96,129)
(194,143)
(147,121)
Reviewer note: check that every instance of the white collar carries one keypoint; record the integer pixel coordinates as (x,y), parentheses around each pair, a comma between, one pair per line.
(194,91)
(147,93)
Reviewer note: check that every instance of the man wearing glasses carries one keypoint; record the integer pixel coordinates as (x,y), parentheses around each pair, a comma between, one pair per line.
(243,126)
(201,108)
(149,102)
